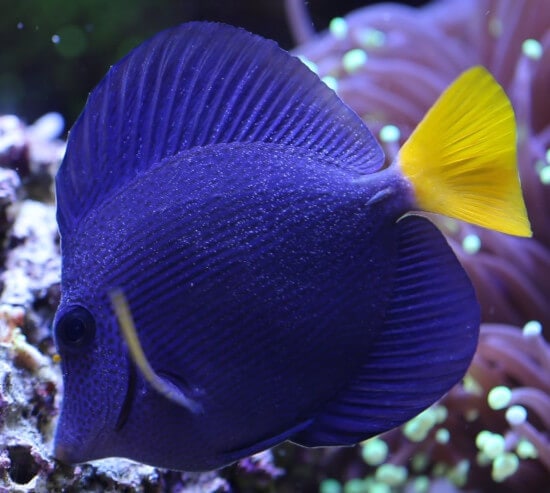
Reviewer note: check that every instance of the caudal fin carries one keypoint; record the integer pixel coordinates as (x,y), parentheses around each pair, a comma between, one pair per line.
(461,159)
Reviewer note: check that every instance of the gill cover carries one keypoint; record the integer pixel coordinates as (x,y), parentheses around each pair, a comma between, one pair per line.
(128,330)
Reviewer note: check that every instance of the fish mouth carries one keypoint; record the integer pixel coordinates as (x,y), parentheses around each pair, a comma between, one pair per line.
(70,448)
(63,454)
(126,406)
(68,454)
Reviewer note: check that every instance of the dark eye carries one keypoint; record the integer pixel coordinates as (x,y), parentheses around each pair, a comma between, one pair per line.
(75,329)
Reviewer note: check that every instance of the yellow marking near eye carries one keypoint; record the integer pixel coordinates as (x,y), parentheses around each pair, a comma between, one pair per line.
(128,329)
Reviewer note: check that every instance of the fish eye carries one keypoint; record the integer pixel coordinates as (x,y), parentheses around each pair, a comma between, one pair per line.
(75,329)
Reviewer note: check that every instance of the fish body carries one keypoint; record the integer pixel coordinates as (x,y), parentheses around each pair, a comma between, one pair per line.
(277,251)
(278,288)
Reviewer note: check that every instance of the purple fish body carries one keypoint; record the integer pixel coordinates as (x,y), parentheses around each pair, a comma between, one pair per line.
(273,278)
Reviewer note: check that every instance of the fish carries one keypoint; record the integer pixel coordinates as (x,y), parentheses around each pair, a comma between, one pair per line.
(240,265)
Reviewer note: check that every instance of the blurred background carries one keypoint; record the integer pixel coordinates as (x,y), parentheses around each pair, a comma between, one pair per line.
(55,51)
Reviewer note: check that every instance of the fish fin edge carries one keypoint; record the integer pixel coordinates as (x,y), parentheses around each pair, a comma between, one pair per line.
(461,158)
(195,85)
(247,450)
(425,347)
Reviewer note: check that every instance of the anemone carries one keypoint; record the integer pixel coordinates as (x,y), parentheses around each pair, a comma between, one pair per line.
(389,62)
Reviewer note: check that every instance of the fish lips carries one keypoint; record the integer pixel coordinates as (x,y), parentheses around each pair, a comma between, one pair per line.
(74,443)
(70,448)
(68,453)
(73,447)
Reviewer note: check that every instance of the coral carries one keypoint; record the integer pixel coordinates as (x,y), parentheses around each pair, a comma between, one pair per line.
(30,378)
(31,150)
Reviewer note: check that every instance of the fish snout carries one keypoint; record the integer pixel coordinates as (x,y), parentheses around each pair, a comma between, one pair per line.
(70,451)
(65,454)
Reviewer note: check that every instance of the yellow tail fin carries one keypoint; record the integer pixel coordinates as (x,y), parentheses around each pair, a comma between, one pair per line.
(461,159)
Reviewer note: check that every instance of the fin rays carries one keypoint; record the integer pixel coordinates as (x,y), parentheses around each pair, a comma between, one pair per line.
(201,84)
(461,159)
(428,340)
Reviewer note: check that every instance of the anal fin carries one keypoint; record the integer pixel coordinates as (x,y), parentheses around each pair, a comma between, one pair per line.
(246,450)
(425,346)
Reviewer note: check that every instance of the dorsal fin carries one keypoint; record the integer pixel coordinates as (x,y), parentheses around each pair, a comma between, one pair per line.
(201,84)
